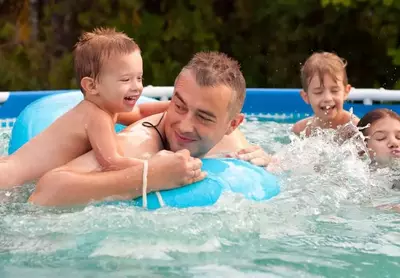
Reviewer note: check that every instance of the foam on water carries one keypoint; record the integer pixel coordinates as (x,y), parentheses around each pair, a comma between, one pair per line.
(323,224)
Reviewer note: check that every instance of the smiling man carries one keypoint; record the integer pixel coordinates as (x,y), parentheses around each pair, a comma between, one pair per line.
(201,120)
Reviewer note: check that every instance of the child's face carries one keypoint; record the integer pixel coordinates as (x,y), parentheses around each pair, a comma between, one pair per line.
(326,99)
(120,82)
(384,140)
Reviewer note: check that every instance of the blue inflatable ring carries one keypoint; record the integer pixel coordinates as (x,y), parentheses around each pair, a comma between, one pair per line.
(232,175)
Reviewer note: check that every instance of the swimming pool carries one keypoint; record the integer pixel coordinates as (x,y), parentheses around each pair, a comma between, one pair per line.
(323,224)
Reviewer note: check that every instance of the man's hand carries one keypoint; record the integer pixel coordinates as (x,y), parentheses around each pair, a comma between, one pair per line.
(170,170)
(254,154)
(392,207)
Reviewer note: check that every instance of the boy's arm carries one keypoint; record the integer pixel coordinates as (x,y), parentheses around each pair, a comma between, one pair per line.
(141,111)
(103,139)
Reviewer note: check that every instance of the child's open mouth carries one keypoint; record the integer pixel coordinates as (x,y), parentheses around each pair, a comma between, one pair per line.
(131,100)
(327,109)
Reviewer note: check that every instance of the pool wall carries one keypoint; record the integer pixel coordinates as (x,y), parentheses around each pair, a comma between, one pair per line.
(276,104)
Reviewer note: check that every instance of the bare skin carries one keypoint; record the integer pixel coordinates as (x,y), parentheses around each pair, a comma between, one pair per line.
(326,101)
(52,148)
(89,125)
(184,127)
(142,111)
(81,180)
(310,123)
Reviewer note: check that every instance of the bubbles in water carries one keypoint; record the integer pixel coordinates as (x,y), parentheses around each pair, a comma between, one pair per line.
(4,141)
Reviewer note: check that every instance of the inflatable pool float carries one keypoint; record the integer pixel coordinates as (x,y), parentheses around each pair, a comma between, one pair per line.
(224,174)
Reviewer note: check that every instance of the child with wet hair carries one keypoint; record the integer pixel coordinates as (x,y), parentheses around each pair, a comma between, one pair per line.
(381,129)
(325,88)
(109,69)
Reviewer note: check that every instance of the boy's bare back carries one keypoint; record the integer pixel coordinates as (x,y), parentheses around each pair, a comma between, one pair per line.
(109,70)
(61,142)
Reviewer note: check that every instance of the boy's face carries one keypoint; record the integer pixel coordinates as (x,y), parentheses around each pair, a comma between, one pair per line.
(384,140)
(326,99)
(120,82)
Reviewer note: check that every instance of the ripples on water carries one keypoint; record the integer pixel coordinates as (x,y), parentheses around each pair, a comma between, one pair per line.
(323,224)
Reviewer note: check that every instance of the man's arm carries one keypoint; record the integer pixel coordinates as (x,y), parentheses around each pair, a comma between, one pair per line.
(230,143)
(236,145)
(166,170)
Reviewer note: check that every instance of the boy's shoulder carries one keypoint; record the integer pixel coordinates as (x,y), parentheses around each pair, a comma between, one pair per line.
(353,118)
(301,125)
(90,110)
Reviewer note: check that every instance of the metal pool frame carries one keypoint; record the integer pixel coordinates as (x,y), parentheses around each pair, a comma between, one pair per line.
(275,104)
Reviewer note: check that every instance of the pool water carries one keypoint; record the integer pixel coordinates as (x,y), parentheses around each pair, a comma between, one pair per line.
(323,224)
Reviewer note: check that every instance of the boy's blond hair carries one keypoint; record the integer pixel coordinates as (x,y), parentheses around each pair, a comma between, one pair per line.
(322,63)
(93,48)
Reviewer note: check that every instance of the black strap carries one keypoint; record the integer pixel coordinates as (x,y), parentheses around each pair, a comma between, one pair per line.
(148,124)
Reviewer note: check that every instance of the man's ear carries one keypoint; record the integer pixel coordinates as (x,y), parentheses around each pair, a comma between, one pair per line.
(234,123)
(88,84)
(347,90)
(304,96)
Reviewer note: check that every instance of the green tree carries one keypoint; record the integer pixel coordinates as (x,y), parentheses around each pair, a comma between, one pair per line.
(269,38)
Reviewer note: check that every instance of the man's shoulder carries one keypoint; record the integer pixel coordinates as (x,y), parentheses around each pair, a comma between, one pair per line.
(149,123)
(141,138)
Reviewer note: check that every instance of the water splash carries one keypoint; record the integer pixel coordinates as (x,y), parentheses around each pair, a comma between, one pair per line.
(321,225)
(325,172)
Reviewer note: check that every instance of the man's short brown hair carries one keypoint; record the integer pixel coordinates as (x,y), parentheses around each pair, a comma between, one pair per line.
(322,63)
(215,68)
(93,48)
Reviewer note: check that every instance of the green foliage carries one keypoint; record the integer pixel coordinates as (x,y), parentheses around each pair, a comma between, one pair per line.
(271,39)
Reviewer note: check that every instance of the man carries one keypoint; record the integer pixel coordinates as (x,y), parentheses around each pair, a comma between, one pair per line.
(201,120)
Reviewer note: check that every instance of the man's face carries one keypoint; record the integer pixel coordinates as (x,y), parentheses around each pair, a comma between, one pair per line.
(198,117)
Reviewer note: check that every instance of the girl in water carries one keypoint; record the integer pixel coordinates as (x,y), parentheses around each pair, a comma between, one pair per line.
(381,129)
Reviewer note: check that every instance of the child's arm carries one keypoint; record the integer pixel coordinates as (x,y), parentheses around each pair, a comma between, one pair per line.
(103,139)
(141,111)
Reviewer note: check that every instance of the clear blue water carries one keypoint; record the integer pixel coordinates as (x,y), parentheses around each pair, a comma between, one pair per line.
(323,224)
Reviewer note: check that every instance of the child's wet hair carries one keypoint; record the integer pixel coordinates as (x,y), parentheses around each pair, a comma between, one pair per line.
(93,48)
(322,63)
(373,116)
